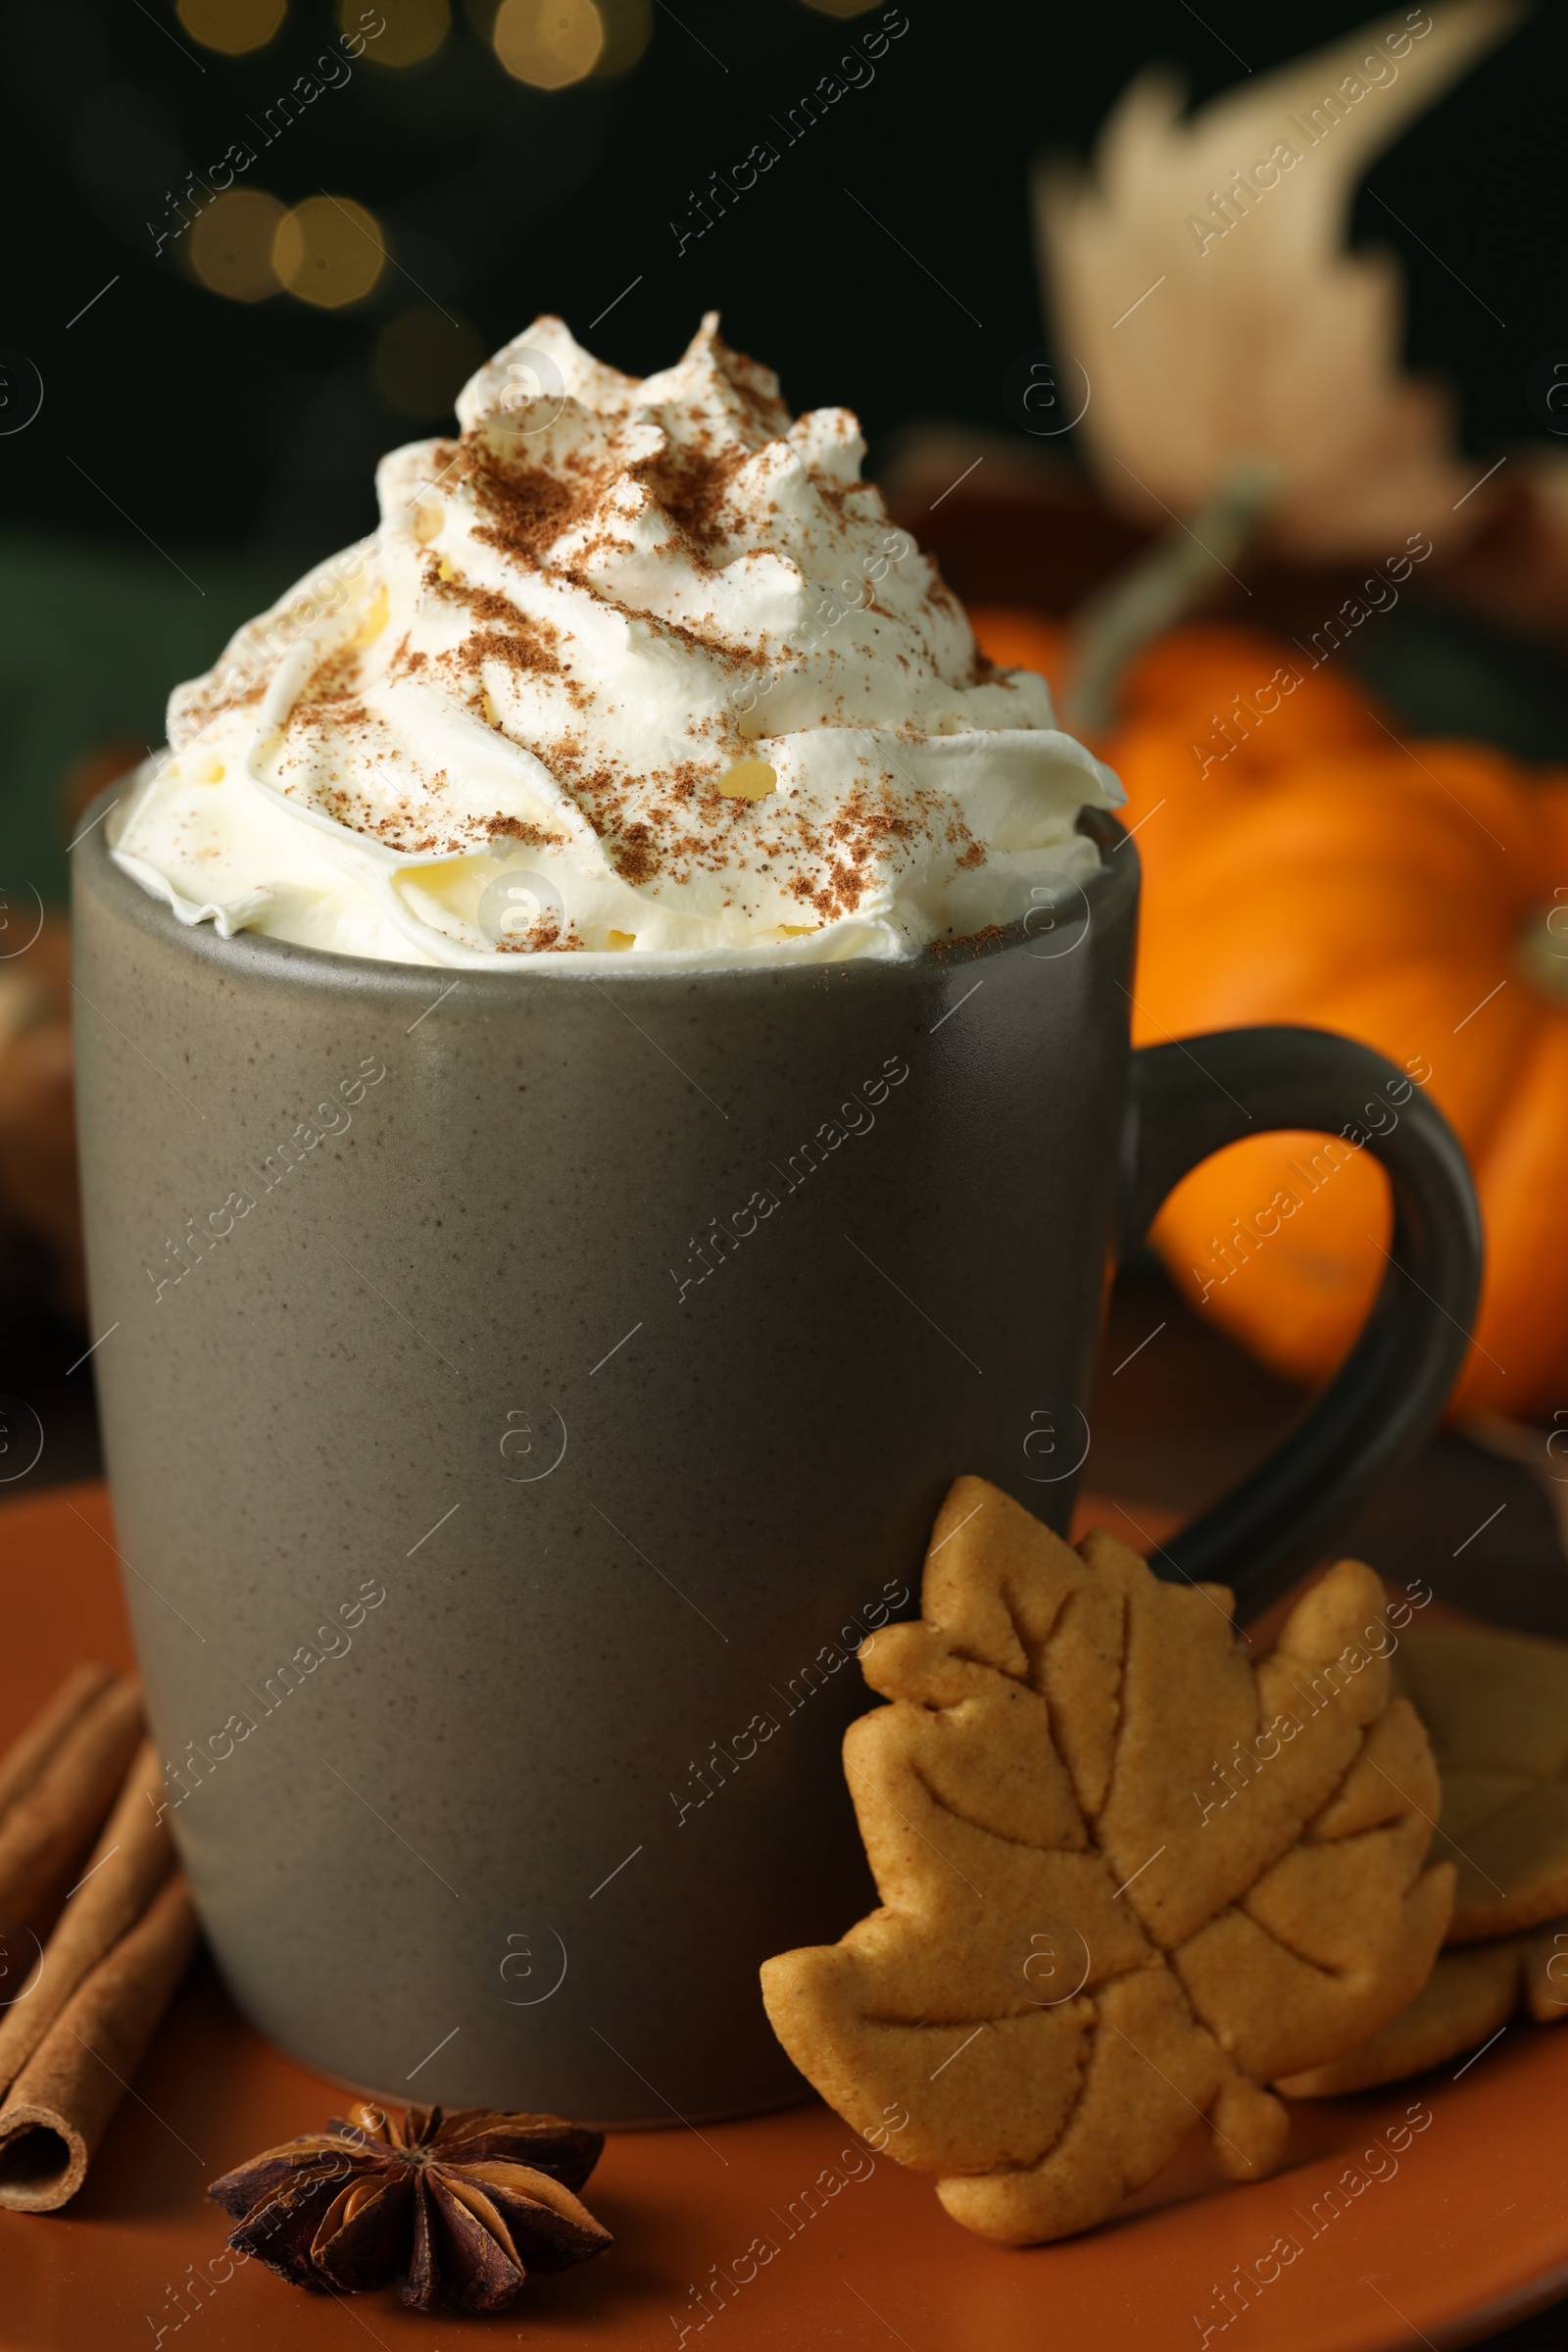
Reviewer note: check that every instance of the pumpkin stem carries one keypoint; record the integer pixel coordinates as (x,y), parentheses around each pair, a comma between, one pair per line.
(1156,591)
(1541,953)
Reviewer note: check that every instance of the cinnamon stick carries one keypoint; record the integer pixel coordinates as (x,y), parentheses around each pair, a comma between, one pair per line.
(60,2103)
(46,1835)
(26,1757)
(129,1863)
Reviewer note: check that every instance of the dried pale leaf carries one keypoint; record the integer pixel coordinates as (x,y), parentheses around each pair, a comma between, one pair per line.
(1218,326)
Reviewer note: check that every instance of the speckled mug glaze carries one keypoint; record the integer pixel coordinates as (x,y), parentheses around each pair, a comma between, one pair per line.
(508,1450)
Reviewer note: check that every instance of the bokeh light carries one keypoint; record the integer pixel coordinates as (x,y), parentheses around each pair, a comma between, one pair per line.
(549,43)
(415,29)
(328,251)
(231,244)
(231,27)
(423,358)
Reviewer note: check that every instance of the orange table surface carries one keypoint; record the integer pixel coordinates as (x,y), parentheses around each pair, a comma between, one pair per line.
(1451,2236)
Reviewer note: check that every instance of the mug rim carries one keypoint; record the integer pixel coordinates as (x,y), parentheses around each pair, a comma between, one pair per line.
(260,956)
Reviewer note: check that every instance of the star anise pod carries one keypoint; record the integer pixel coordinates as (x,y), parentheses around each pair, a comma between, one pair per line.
(453,2206)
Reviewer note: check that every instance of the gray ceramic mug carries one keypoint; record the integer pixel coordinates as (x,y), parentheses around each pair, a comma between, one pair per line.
(521,1393)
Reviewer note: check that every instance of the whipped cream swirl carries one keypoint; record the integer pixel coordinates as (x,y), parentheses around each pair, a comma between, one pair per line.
(633,666)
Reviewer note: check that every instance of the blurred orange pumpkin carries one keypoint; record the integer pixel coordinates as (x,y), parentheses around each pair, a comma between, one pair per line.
(1303,863)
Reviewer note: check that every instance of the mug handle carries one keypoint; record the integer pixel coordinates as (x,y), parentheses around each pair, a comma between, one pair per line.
(1190,1098)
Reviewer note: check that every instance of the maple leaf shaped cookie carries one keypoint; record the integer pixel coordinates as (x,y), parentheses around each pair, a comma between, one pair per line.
(1469,1998)
(1495,1706)
(1082,1947)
